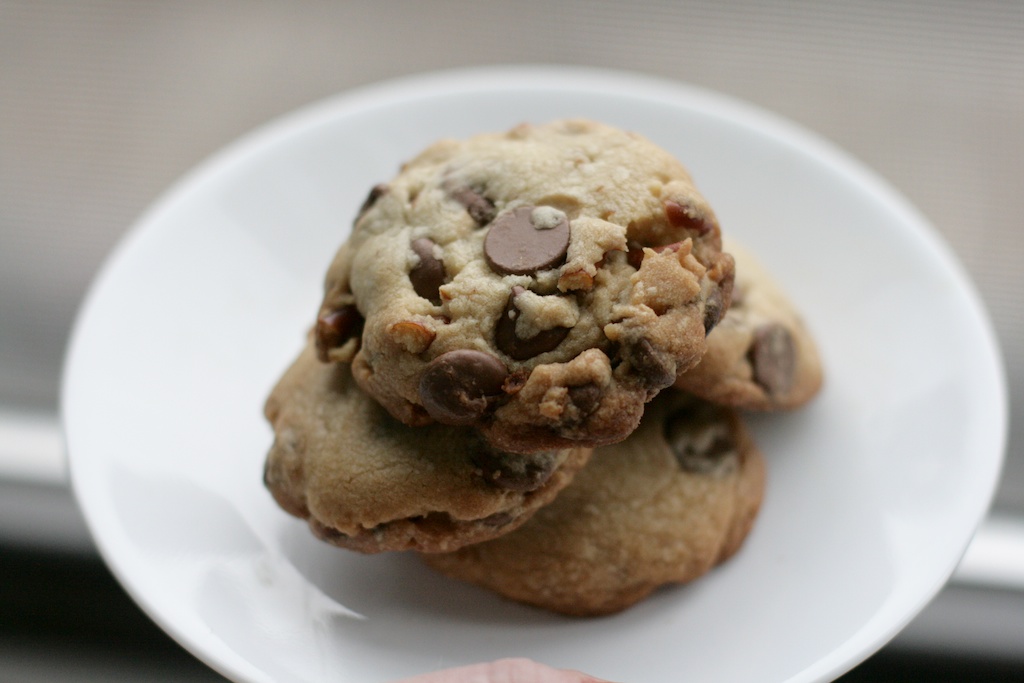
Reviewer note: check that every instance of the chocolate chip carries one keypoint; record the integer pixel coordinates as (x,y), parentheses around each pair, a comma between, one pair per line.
(327,533)
(515,381)
(719,301)
(334,328)
(512,471)
(508,342)
(498,519)
(772,356)
(686,218)
(635,251)
(428,275)
(713,308)
(526,240)
(586,398)
(655,372)
(375,193)
(699,445)
(480,208)
(455,386)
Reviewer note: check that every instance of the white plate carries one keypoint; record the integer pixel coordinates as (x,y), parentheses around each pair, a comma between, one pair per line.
(874,490)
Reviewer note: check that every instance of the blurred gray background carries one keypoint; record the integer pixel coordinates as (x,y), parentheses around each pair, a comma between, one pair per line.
(104,103)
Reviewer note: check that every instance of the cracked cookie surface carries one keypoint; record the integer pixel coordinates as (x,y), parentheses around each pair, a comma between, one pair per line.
(673,500)
(761,356)
(539,285)
(366,482)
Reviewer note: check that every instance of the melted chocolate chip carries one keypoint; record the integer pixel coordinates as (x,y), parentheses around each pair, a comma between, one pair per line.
(517,244)
(699,446)
(655,372)
(586,398)
(375,193)
(428,275)
(514,472)
(772,356)
(635,251)
(686,218)
(480,208)
(508,342)
(334,328)
(328,533)
(515,381)
(726,287)
(713,308)
(498,519)
(455,386)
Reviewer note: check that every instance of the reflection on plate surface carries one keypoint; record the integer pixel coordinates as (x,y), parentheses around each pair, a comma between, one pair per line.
(874,489)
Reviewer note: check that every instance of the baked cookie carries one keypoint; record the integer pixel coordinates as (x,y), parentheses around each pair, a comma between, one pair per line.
(761,356)
(365,481)
(664,506)
(539,285)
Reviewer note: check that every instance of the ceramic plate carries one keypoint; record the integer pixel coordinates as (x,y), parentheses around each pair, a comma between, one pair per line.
(874,490)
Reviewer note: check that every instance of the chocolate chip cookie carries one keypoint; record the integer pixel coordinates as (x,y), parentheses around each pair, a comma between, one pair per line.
(538,285)
(761,356)
(365,481)
(664,506)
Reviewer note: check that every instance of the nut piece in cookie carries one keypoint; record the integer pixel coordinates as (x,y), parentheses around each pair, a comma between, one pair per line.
(539,285)
(367,482)
(761,356)
(664,506)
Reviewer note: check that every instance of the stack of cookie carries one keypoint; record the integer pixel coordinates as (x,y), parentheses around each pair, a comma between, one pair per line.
(505,312)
